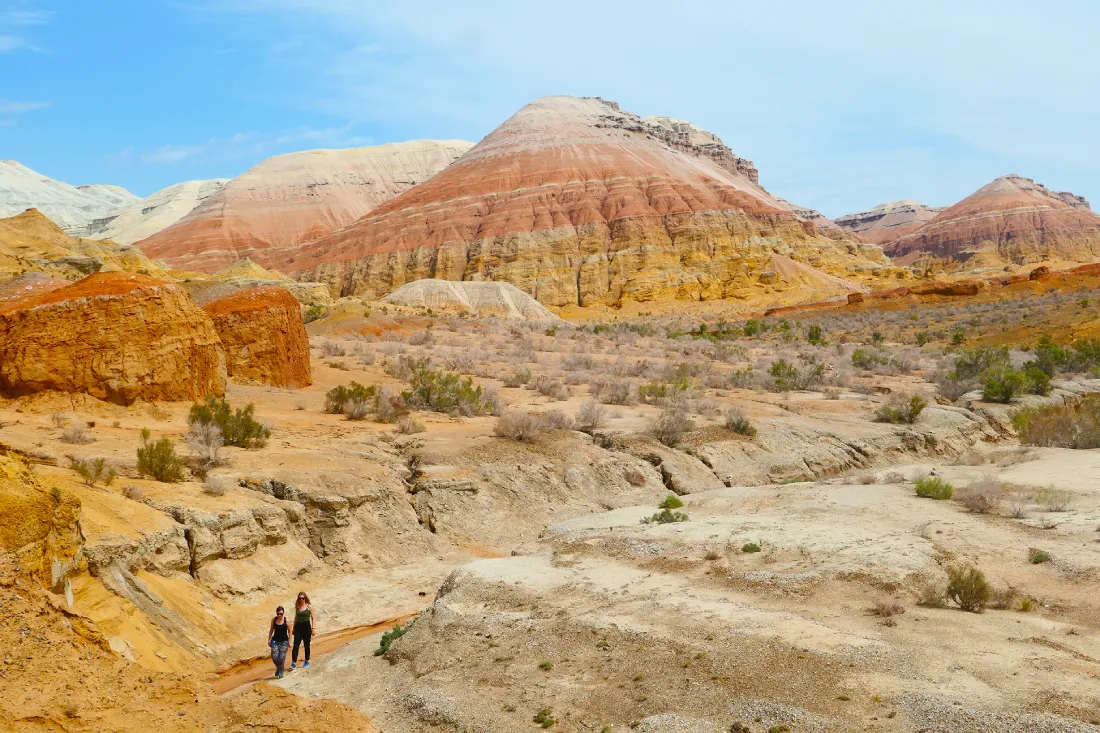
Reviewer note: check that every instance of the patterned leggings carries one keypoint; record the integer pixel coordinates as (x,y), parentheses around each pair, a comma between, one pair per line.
(278,654)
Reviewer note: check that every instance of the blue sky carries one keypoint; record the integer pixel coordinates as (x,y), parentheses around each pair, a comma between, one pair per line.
(842,105)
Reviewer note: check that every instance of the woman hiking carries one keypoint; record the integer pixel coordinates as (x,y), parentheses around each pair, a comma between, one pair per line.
(303,627)
(278,639)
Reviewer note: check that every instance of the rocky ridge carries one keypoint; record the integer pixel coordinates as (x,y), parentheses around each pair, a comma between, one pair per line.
(887,222)
(502,300)
(72,207)
(146,217)
(579,203)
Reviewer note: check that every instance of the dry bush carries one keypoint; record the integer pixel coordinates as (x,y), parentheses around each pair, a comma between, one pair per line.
(832,393)
(331,348)
(518,378)
(893,477)
(671,426)
(552,388)
(887,608)
(901,409)
(982,496)
(736,421)
(205,439)
(971,459)
(215,486)
(591,417)
(931,593)
(1004,598)
(968,588)
(59,419)
(357,409)
(409,426)
(867,479)
(1051,499)
(521,426)
(77,435)
(614,391)
(421,338)
(389,406)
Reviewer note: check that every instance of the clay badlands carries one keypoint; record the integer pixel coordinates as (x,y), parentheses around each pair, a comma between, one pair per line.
(578,428)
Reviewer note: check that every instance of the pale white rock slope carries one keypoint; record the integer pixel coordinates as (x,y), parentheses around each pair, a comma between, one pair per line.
(145,217)
(70,207)
(482,298)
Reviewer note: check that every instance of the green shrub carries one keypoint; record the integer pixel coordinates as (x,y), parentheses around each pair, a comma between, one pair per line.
(238,426)
(957,337)
(666,516)
(158,459)
(968,588)
(863,359)
(388,638)
(339,398)
(1038,557)
(922,338)
(671,502)
(814,335)
(543,718)
(316,312)
(441,391)
(1002,386)
(750,547)
(94,470)
(901,409)
(934,487)
(754,327)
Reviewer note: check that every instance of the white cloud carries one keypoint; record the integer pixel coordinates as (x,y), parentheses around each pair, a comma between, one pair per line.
(10,110)
(247,145)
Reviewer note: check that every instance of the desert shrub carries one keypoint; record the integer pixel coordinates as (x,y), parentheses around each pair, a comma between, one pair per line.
(591,417)
(134,493)
(887,608)
(59,419)
(614,391)
(388,638)
(750,547)
(933,487)
(556,420)
(94,470)
(388,406)
(441,391)
(736,421)
(518,378)
(863,359)
(967,588)
(982,496)
(1037,557)
(931,594)
(807,374)
(409,426)
(1051,499)
(205,439)
(330,349)
(666,516)
(521,426)
(421,338)
(313,313)
(544,718)
(238,426)
(337,398)
(832,393)
(1075,425)
(1026,604)
(671,502)
(742,378)
(1002,598)
(901,409)
(77,435)
(215,486)
(973,367)
(671,426)
(158,459)
(357,409)
(552,388)
(1003,385)
(815,335)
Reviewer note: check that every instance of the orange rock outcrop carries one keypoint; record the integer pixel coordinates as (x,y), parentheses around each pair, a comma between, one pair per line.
(1011,220)
(116,336)
(577,202)
(264,337)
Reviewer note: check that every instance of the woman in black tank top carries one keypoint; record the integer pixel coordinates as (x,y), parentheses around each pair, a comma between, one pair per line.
(278,638)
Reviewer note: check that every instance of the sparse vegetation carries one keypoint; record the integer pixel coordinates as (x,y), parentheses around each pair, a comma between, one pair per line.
(94,471)
(933,487)
(77,435)
(440,391)
(901,409)
(666,516)
(671,502)
(1071,425)
(968,589)
(750,547)
(544,718)
(215,486)
(158,459)
(671,426)
(736,421)
(887,608)
(1038,557)
(517,425)
(238,427)
(388,638)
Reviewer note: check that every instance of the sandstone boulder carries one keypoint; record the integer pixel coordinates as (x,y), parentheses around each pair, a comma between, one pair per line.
(116,336)
(264,338)
(481,298)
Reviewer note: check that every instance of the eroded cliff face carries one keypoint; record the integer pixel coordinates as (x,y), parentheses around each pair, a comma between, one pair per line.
(1011,220)
(887,222)
(264,338)
(577,202)
(116,336)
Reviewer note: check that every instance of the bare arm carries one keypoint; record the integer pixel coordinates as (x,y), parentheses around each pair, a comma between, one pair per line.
(271,630)
(312,622)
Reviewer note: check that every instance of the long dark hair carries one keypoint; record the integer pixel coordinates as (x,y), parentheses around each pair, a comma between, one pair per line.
(301,595)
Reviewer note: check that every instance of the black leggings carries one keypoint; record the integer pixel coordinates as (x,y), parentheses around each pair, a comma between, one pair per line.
(302,634)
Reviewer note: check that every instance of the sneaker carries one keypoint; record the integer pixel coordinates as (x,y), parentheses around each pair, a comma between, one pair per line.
(294,665)
(306,664)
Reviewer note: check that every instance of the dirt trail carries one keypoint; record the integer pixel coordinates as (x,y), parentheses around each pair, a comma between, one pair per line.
(251,670)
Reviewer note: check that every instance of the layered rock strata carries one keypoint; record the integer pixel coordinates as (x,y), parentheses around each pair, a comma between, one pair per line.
(577,202)
(1011,220)
(502,300)
(294,198)
(116,336)
(889,221)
(264,338)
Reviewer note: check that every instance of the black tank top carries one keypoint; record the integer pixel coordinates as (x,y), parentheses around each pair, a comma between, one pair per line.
(280,634)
